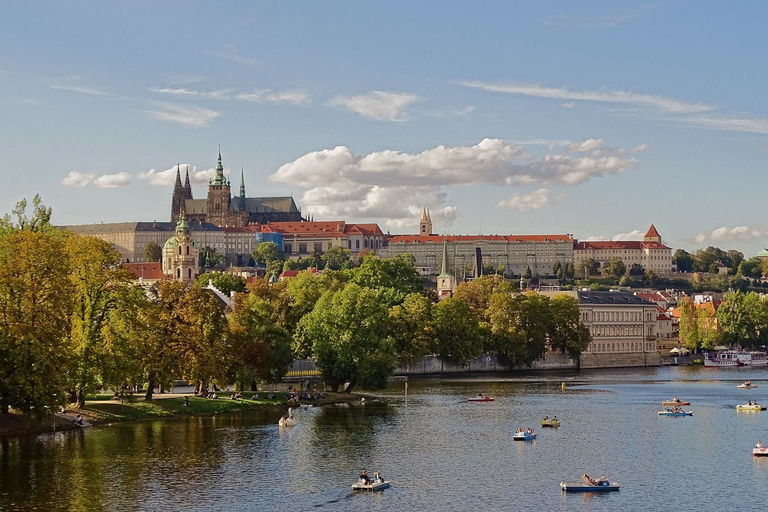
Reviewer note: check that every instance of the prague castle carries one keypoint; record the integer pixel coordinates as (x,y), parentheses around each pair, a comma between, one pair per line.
(223,210)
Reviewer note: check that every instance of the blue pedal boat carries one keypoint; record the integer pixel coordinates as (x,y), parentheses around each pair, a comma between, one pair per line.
(582,487)
(524,436)
(672,412)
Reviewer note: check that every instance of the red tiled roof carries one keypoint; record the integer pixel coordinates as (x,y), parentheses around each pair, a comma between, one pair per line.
(652,232)
(328,228)
(294,273)
(145,270)
(616,244)
(470,238)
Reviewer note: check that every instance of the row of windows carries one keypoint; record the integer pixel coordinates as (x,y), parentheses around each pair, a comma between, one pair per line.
(620,347)
(611,330)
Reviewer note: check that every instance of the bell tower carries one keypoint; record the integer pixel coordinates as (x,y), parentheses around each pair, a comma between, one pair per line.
(219,196)
(425,224)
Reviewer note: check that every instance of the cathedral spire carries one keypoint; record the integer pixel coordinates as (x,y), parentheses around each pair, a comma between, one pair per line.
(444,265)
(187,186)
(219,179)
(242,183)
(178,195)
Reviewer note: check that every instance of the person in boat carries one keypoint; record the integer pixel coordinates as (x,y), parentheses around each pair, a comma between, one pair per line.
(588,480)
(365,478)
(546,418)
(554,420)
(759,444)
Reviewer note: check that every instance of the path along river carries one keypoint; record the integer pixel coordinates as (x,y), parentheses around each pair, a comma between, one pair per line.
(441,452)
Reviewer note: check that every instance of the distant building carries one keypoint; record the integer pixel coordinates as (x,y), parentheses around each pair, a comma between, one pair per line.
(650,253)
(147,273)
(300,239)
(223,210)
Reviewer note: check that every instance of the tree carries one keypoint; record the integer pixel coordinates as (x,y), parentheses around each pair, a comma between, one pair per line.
(477,293)
(636,269)
(534,323)
(683,260)
(751,267)
(527,273)
(570,270)
(398,273)
(689,324)
(743,319)
(614,267)
(456,331)
(347,331)
(336,258)
(226,283)
(557,269)
(588,267)
(410,327)
(209,258)
(35,305)
(96,277)
(735,257)
(567,333)
(39,222)
(152,252)
(705,260)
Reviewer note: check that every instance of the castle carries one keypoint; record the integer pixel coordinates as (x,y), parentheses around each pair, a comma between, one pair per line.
(223,210)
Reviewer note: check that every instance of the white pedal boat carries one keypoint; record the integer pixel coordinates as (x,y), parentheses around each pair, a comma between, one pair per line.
(760,451)
(380,485)
(751,407)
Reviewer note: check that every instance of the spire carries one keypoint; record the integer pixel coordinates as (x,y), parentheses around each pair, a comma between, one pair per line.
(429,217)
(423,215)
(242,183)
(444,265)
(178,176)
(187,186)
(219,179)
(178,195)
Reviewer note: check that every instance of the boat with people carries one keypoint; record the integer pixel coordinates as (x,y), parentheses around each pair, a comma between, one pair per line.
(675,411)
(480,398)
(288,420)
(588,484)
(675,402)
(747,385)
(550,422)
(751,406)
(760,450)
(527,434)
(736,358)
(366,483)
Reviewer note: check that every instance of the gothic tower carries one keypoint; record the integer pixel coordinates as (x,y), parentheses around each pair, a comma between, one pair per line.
(242,184)
(178,197)
(219,196)
(445,281)
(425,224)
(187,186)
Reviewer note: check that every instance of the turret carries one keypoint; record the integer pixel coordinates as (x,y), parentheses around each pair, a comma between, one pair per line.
(178,196)
(187,186)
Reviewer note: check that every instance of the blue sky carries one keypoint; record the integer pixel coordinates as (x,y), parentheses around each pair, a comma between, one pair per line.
(590,118)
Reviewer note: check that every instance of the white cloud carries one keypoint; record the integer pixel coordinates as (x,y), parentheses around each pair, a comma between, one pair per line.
(188,115)
(635,234)
(568,104)
(378,105)
(604,95)
(79,88)
(584,147)
(234,57)
(290,96)
(457,112)
(391,183)
(737,233)
(729,124)
(167,177)
(532,201)
(79,179)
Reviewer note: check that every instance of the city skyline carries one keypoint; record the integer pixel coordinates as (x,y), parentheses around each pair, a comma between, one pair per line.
(593,119)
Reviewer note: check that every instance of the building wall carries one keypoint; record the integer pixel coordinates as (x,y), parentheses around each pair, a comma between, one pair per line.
(620,330)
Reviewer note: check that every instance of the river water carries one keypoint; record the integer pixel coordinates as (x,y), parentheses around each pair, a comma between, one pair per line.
(441,452)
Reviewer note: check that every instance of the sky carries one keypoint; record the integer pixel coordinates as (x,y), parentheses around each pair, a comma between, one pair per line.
(589,118)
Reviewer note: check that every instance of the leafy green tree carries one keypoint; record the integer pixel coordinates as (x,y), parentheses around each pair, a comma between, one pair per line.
(527,274)
(534,322)
(743,319)
(40,221)
(227,283)
(152,252)
(303,292)
(735,257)
(35,305)
(262,347)
(410,327)
(689,324)
(398,273)
(505,334)
(588,267)
(96,277)
(347,331)
(570,270)
(477,293)
(751,267)
(557,270)
(614,267)
(705,260)
(683,260)
(336,258)
(456,331)
(567,333)
(208,258)
(636,269)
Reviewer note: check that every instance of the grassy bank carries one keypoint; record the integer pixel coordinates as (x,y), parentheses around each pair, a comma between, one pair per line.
(101,410)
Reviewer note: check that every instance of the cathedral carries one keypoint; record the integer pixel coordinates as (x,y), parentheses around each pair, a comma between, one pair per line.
(223,210)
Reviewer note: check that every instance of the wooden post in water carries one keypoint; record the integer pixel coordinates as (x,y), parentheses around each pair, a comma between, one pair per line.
(406,389)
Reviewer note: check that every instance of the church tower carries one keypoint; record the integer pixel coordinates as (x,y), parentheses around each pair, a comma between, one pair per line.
(446,283)
(177,202)
(180,253)
(652,235)
(425,224)
(187,186)
(219,197)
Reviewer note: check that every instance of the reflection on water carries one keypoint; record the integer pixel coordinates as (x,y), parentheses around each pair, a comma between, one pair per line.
(440,451)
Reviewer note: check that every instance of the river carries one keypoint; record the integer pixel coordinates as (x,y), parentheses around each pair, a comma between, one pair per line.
(440,452)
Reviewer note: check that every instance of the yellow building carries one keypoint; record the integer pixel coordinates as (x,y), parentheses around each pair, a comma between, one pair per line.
(650,253)
(180,254)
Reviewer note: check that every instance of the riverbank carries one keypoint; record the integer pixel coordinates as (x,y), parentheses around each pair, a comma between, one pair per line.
(102,410)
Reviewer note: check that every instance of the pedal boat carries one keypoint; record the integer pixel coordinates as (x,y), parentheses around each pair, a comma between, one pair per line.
(583,487)
(550,423)
(484,398)
(675,402)
(524,436)
(747,385)
(287,421)
(754,407)
(670,412)
(760,451)
(378,485)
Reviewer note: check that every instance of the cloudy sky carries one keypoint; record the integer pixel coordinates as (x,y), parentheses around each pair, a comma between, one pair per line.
(591,118)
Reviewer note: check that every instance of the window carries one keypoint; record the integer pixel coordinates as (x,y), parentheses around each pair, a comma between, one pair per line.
(188,252)
(318,247)
(179,250)
(287,248)
(302,248)
(189,273)
(357,244)
(178,273)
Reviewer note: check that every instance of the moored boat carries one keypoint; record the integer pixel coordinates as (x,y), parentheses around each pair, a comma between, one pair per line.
(675,402)
(723,358)
(675,412)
